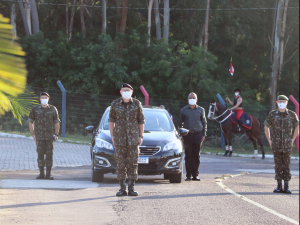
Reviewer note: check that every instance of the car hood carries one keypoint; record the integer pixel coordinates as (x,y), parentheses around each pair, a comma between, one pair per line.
(152,138)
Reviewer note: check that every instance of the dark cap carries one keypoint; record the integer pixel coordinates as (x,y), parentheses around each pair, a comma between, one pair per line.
(282,97)
(124,85)
(237,89)
(45,93)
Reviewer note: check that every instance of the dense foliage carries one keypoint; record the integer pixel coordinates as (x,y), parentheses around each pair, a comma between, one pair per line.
(167,70)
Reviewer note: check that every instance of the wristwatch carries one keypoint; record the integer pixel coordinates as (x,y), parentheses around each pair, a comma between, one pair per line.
(141,136)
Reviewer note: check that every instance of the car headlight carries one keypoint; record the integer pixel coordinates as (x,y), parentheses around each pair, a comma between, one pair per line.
(172,145)
(103,144)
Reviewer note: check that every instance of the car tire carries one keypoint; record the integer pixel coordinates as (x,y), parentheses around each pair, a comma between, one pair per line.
(175,178)
(166,176)
(97,177)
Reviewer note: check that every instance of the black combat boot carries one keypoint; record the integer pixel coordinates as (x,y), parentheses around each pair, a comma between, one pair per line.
(239,125)
(226,153)
(279,187)
(48,174)
(131,191)
(42,174)
(286,187)
(230,153)
(122,191)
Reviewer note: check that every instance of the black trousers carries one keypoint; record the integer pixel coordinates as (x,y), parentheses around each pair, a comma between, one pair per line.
(192,144)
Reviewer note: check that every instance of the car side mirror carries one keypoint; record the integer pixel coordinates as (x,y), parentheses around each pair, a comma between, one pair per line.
(89,129)
(183,131)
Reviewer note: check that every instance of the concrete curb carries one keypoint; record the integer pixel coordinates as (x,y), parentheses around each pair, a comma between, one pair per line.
(245,155)
(31,138)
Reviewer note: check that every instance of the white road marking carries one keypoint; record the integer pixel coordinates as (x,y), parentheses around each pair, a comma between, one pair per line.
(293,172)
(219,182)
(50,184)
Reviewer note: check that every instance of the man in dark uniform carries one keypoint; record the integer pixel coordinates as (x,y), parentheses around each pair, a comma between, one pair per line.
(42,119)
(192,117)
(281,121)
(126,125)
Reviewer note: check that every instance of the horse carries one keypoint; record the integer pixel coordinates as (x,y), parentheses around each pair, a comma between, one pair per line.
(228,127)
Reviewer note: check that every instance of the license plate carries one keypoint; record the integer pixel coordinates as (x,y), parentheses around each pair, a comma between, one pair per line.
(143,160)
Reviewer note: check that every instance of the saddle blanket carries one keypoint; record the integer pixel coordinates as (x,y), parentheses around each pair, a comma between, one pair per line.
(246,120)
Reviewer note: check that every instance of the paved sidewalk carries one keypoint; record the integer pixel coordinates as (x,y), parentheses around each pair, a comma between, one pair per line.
(20,154)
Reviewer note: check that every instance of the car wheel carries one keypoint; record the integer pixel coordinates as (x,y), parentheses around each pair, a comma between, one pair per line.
(166,176)
(97,177)
(175,178)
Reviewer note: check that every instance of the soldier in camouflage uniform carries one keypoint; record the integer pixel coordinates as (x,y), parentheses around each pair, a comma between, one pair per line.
(42,119)
(282,122)
(126,125)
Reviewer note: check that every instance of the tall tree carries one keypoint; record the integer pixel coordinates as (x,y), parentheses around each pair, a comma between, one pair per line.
(157,20)
(206,25)
(67,17)
(82,23)
(166,20)
(149,20)
(24,18)
(72,19)
(282,46)
(124,16)
(13,18)
(276,56)
(35,17)
(104,23)
(28,14)
(119,14)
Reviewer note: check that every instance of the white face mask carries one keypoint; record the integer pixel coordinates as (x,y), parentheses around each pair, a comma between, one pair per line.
(192,101)
(282,105)
(44,101)
(237,94)
(126,94)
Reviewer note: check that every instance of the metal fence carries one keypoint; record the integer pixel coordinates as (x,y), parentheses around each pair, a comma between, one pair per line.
(85,109)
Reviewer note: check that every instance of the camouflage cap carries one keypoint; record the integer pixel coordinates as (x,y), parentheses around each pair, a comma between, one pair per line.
(282,97)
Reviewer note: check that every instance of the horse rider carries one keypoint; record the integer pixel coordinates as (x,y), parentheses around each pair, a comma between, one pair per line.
(237,106)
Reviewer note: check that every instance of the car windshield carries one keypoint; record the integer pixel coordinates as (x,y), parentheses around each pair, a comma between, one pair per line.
(156,120)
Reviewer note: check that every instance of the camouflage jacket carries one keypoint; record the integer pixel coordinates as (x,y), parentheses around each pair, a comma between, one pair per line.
(282,124)
(44,120)
(127,117)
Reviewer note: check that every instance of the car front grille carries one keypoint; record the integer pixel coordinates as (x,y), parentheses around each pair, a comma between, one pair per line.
(144,150)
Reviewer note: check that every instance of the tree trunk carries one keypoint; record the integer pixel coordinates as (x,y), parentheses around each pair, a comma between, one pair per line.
(28,15)
(274,75)
(72,19)
(119,14)
(35,17)
(90,12)
(13,19)
(166,20)
(274,16)
(103,28)
(67,17)
(124,16)
(201,35)
(83,30)
(24,18)
(149,20)
(157,20)
(282,37)
(206,25)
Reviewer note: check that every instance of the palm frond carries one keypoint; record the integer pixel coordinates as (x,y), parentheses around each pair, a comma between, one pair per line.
(12,74)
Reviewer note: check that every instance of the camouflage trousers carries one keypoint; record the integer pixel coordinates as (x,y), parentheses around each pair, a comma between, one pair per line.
(282,165)
(44,147)
(127,162)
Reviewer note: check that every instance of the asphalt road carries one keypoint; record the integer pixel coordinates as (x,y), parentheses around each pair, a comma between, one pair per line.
(73,199)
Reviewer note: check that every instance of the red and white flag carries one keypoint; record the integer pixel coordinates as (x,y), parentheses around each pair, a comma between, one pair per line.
(231,70)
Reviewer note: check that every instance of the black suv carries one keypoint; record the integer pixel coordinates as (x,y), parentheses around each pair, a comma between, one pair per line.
(160,152)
